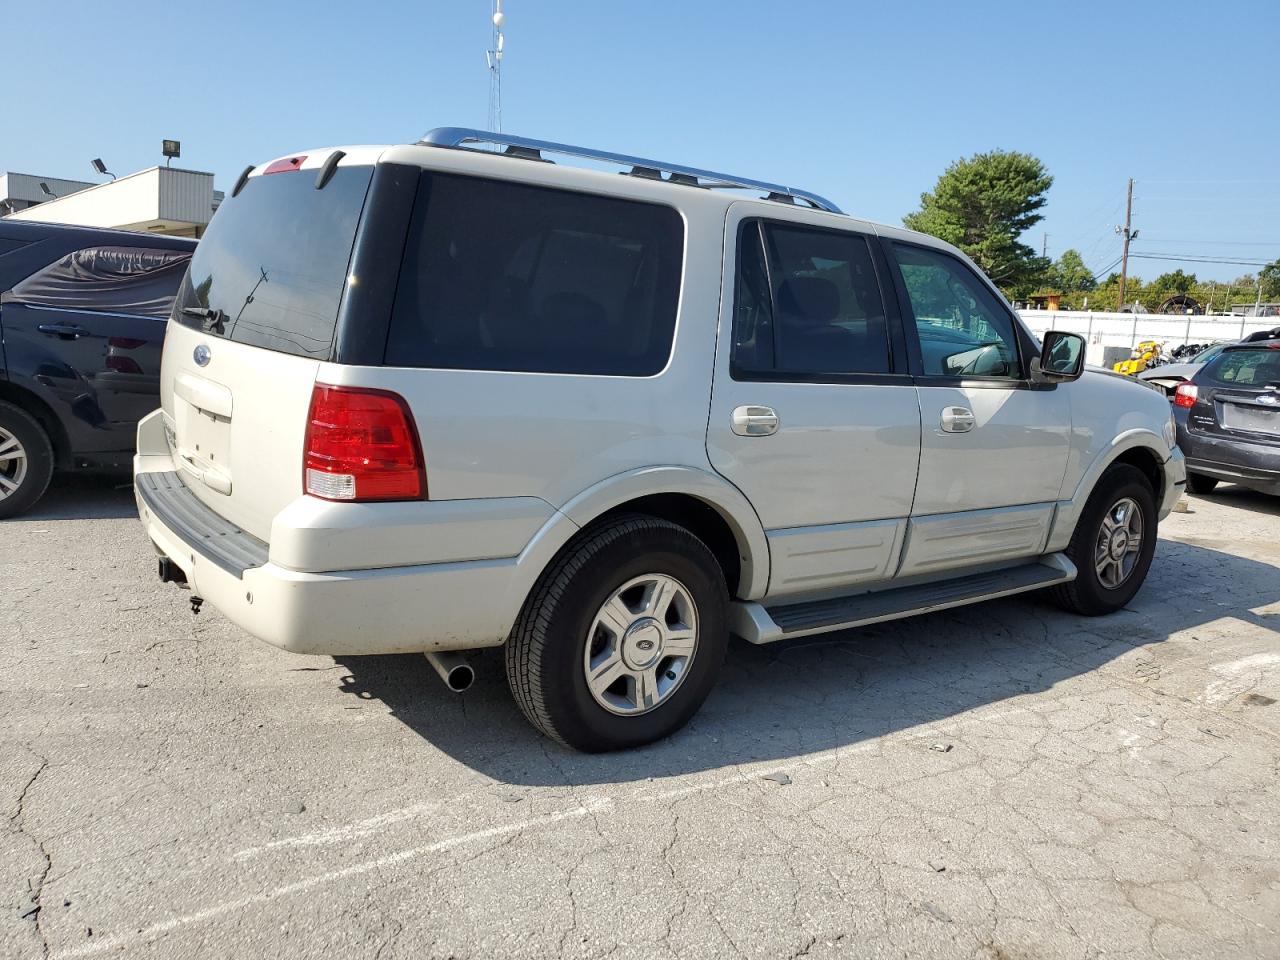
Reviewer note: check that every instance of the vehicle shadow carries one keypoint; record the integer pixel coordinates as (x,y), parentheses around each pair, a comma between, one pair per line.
(1234,495)
(799,697)
(87,496)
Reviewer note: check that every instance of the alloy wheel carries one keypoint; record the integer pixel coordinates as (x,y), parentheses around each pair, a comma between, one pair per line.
(640,644)
(13,463)
(1119,543)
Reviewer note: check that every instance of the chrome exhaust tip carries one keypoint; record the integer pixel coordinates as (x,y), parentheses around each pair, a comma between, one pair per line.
(454,670)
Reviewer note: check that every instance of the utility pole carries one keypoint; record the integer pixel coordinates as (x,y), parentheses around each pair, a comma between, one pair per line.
(1128,235)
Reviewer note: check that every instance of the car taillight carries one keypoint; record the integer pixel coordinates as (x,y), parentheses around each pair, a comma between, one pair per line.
(362,445)
(1185,395)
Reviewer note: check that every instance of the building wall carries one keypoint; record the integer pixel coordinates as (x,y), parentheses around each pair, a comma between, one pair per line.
(159,199)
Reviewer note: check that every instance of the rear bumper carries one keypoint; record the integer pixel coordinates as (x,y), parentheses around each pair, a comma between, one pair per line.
(397,609)
(1254,465)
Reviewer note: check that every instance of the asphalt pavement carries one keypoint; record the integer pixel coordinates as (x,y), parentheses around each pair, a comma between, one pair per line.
(1001,781)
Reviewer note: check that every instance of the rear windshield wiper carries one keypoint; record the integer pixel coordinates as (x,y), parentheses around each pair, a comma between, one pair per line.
(213,320)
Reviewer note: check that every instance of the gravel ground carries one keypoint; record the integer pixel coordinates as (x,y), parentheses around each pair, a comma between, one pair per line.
(1002,781)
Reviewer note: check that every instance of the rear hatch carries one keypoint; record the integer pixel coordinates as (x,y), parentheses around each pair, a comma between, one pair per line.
(1238,395)
(254,319)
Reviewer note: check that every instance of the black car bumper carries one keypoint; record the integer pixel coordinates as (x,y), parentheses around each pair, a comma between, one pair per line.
(1230,459)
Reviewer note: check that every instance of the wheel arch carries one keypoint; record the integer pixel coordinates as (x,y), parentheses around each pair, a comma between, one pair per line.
(710,506)
(1139,448)
(44,415)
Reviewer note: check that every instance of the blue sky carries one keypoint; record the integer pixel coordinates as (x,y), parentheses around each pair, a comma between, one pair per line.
(865,103)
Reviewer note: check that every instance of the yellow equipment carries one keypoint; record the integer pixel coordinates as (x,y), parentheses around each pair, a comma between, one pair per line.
(1144,354)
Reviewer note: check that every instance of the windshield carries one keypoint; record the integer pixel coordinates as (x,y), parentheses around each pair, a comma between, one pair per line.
(271,269)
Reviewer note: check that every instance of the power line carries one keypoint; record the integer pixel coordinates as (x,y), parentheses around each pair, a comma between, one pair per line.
(1195,259)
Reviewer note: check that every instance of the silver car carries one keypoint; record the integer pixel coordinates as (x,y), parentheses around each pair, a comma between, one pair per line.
(447,396)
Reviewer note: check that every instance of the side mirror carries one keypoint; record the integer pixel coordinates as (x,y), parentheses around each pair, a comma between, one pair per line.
(1061,358)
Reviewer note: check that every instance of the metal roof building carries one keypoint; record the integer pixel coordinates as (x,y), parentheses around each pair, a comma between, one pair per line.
(166,200)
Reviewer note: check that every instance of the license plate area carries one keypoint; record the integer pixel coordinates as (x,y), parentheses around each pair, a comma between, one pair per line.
(203,445)
(1251,418)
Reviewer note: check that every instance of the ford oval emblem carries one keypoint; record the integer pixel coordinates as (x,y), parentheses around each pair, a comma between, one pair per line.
(201,355)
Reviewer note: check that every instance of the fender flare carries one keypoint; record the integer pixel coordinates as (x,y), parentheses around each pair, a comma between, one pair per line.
(612,492)
(1068,512)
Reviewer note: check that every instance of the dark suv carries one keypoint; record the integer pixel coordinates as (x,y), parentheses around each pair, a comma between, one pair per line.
(82,321)
(1229,419)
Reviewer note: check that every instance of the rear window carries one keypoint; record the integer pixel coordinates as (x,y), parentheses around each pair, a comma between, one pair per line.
(503,276)
(1244,368)
(271,269)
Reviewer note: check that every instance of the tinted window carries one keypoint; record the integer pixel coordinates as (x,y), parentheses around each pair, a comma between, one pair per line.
(807,303)
(964,331)
(503,276)
(273,264)
(1244,368)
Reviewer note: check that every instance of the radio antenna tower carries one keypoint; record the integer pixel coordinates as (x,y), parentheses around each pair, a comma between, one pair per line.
(493,56)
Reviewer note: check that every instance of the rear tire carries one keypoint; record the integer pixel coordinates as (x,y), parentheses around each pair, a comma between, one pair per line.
(26,460)
(595,688)
(1199,483)
(1109,573)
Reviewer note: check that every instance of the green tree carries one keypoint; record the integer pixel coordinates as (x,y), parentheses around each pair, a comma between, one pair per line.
(1069,274)
(983,204)
(1269,276)
(1177,281)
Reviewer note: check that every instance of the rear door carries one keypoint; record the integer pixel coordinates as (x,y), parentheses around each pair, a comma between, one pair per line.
(993,445)
(813,415)
(255,318)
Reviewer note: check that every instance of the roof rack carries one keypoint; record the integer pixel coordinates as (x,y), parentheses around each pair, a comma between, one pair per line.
(526,149)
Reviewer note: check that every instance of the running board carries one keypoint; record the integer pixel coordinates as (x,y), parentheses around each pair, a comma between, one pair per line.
(759,624)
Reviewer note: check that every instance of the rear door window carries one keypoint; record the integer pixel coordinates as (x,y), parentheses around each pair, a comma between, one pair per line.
(505,276)
(807,304)
(272,266)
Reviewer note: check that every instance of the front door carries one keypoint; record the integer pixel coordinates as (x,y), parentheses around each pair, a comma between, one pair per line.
(993,445)
(813,415)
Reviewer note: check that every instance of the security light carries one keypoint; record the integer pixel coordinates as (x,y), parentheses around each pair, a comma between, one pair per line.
(170,149)
(44,188)
(102,167)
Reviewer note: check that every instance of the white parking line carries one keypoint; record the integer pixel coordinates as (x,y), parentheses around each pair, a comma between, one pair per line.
(107,944)
(371,825)
(342,834)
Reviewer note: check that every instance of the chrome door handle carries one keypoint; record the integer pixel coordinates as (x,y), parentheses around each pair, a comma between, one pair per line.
(755,421)
(957,420)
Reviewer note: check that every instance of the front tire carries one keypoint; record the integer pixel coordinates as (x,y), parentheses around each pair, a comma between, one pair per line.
(622,638)
(1199,483)
(26,460)
(1113,544)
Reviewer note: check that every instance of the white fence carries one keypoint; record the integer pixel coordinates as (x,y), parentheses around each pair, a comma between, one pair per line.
(1112,335)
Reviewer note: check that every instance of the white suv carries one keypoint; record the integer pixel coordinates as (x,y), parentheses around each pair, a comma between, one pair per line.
(449,396)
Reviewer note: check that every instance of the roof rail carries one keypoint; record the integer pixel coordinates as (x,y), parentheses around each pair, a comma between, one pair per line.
(524,148)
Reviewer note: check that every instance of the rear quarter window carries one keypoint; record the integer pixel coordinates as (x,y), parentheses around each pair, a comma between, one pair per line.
(505,276)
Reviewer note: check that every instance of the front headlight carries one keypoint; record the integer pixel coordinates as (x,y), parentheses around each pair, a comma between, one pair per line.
(1171,430)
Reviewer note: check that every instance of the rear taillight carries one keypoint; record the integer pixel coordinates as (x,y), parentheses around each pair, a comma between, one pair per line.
(362,445)
(1185,395)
